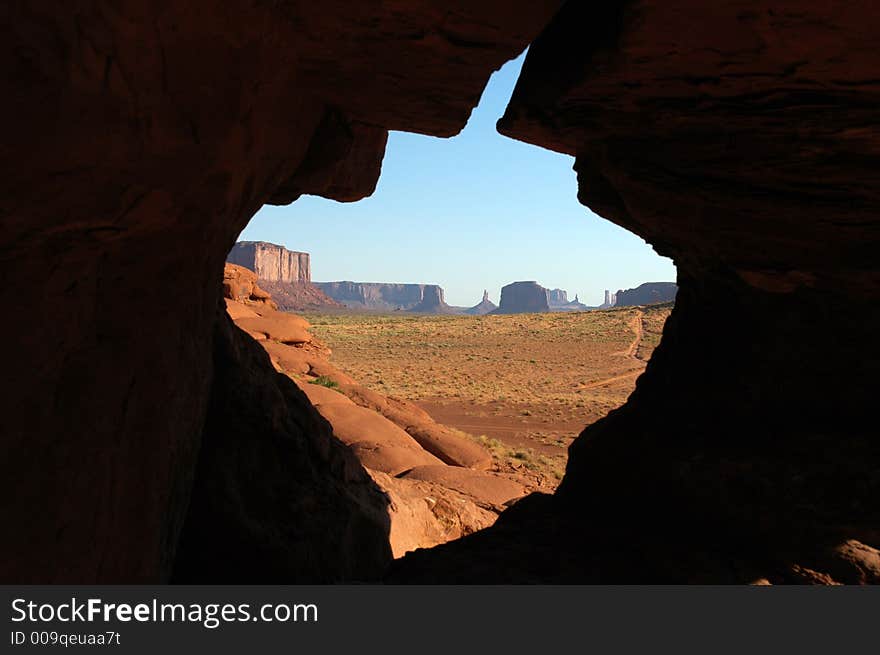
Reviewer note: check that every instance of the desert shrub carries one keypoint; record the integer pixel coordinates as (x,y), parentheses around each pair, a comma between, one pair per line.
(325,381)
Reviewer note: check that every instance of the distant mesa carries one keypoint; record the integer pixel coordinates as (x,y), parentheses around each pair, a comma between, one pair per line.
(648,293)
(485,306)
(527,297)
(271,262)
(610,300)
(433,302)
(523,297)
(286,274)
(559,302)
(573,306)
(385,296)
(557,297)
(299,296)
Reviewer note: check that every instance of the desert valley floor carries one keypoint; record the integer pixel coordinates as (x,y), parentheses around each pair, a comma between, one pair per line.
(524,385)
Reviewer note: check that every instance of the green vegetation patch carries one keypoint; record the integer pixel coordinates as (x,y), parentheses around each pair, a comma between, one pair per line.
(326,381)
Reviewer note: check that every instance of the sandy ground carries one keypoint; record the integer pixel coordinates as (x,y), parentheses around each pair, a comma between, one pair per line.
(525,385)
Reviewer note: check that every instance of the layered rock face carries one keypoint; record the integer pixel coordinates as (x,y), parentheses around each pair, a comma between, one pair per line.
(299,296)
(738,139)
(271,262)
(523,297)
(646,294)
(138,141)
(385,296)
(284,273)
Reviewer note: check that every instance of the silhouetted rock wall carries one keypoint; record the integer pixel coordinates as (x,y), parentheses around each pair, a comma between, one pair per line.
(140,139)
(739,139)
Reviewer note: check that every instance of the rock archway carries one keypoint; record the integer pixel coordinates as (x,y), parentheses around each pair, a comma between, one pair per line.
(740,140)
(737,139)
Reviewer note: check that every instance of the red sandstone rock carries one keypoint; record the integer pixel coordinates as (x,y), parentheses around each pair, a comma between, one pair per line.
(237,310)
(299,296)
(424,514)
(240,285)
(486,488)
(321,395)
(738,138)
(277,326)
(435,438)
(856,563)
(321,367)
(140,140)
(446,444)
(271,262)
(376,441)
(288,359)
(261,425)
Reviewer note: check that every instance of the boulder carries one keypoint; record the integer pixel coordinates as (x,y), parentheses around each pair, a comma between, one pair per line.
(321,367)
(487,488)
(237,310)
(319,394)
(437,439)
(423,514)
(240,285)
(288,359)
(375,441)
(277,326)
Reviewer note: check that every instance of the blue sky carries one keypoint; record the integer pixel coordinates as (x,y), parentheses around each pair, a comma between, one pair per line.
(473,212)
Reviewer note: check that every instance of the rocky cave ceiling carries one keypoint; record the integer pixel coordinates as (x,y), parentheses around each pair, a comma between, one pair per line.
(139,138)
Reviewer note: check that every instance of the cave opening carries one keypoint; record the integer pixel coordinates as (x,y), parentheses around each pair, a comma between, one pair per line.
(390,326)
(738,140)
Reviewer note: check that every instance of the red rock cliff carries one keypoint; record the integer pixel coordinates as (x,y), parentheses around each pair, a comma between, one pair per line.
(271,262)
